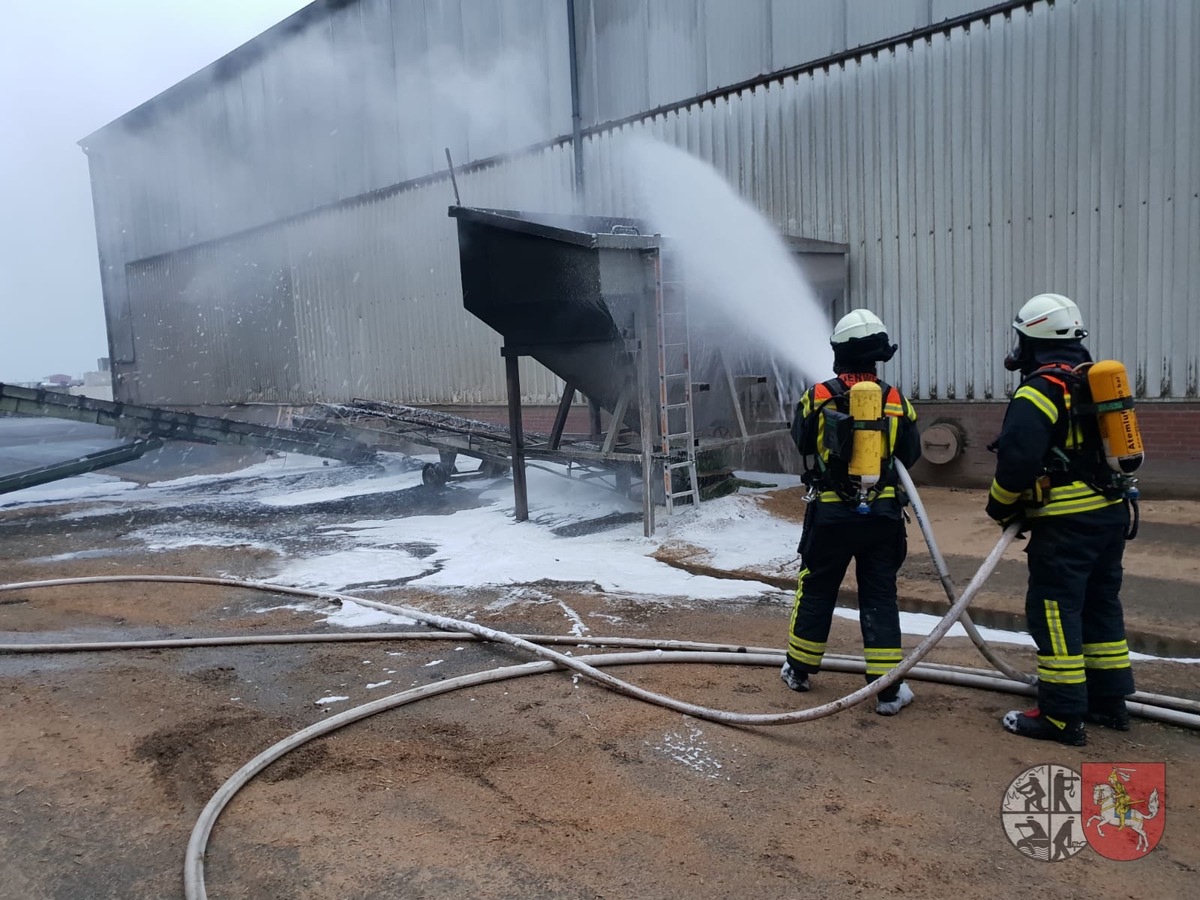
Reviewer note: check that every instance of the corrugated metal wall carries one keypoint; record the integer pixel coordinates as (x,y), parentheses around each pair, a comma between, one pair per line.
(360,300)
(217,321)
(1056,149)
(637,55)
(366,94)
(366,97)
(379,296)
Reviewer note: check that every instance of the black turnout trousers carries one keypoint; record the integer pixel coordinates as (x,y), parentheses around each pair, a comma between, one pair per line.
(1073,608)
(878,546)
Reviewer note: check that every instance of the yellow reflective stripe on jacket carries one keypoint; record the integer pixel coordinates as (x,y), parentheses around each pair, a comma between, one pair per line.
(1075,437)
(1067,499)
(1001,495)
(1038,399)
(832,496)
(808,403)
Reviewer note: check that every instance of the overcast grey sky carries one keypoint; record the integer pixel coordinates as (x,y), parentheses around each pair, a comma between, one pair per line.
(66,68)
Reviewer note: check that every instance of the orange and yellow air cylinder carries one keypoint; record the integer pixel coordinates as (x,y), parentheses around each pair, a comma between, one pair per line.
(866,407)
(1118,424)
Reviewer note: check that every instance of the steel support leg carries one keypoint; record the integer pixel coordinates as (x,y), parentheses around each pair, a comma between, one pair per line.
(560,418)
(520,491)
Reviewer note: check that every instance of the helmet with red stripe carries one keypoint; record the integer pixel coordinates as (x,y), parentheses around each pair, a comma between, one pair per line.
(1046,317)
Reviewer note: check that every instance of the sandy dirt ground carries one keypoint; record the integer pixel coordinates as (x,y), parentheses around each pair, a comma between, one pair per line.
(546,786)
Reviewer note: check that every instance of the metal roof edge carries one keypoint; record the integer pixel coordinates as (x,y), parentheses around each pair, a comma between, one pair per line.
(241,57)
(223,68)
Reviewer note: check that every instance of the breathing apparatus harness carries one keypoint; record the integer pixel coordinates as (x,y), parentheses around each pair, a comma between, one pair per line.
(822,475)
(1087,461)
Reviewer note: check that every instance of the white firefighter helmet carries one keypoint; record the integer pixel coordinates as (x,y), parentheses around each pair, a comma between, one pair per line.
(1050,317)
(858,323)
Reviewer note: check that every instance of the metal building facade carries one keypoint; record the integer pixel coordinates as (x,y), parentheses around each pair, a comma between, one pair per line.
(341,99)
(1052,146)
(1051,149)
(638,55)
(363,299)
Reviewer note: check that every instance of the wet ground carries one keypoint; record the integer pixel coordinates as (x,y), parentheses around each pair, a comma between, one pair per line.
(545,787)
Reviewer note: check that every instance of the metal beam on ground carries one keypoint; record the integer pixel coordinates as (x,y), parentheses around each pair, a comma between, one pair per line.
(101,459)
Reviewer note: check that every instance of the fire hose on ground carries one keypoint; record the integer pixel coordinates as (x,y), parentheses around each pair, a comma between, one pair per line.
(1172,710)
(569,662)
(948,584)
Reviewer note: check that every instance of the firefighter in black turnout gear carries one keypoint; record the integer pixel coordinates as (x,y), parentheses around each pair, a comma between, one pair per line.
(1051,473)
(855,506)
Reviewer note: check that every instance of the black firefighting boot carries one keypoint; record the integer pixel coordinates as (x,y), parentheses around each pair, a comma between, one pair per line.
(1108,712)
(1037,725)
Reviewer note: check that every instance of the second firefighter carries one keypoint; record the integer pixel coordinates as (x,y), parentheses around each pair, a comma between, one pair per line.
(855,509)
(1054,473)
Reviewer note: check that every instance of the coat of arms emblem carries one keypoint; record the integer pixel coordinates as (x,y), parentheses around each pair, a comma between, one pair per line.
(1124,807)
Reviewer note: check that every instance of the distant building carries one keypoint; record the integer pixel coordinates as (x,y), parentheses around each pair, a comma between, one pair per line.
(97,385)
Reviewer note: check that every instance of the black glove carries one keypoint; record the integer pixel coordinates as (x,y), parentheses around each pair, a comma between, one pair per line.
(1003,513)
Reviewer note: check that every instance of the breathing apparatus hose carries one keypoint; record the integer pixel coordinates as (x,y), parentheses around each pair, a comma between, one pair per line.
(1135,515)
(948,584)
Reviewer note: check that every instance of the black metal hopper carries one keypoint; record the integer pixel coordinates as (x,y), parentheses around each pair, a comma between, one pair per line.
(600,302)
(563,290)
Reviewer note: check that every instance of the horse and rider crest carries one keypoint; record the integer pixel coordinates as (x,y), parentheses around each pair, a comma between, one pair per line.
(1052,812)
(1124,807)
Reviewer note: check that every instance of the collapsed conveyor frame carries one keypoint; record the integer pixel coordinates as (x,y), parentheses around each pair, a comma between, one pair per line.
(156,422)
(452,435)
(154,425)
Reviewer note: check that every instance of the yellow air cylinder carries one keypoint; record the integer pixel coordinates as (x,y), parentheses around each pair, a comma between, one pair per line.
(866,405)
(1118,423)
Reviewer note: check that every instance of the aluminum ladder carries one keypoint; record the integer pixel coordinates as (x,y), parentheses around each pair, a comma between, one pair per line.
(677,442)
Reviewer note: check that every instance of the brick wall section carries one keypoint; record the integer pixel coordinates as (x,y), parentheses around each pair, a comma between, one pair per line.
(1170,433)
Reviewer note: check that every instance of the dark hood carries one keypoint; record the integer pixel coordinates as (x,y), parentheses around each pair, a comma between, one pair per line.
(861,354)
(1037,353)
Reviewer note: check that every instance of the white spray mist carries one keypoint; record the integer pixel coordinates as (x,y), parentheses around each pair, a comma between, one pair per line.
(738,269)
